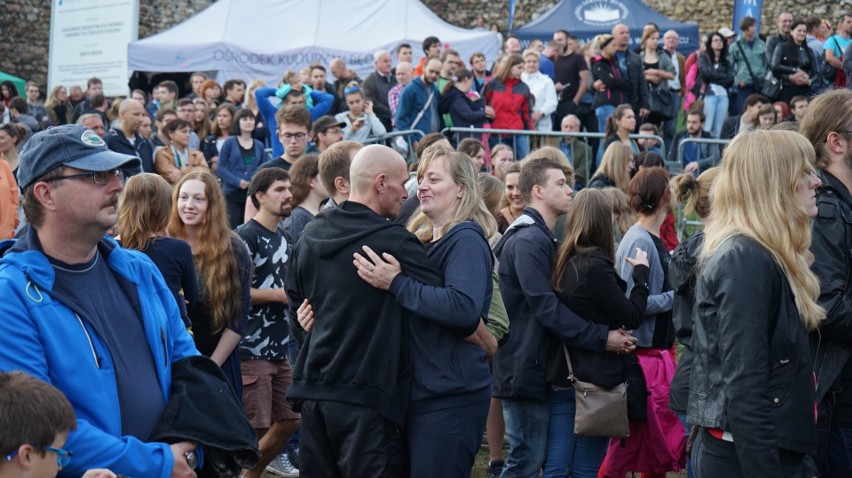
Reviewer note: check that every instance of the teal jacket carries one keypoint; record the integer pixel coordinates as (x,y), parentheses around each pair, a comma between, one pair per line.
(756,57)
(43,337)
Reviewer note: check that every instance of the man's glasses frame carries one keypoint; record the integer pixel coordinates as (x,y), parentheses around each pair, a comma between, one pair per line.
(98,177)
(63,457)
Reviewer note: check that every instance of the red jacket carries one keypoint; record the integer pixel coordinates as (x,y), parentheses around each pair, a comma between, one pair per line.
(512,102)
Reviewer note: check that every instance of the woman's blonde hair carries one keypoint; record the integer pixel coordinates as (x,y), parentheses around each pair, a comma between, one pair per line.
(52,100)
(614,164)
(754,195)
(694,193)
(470,207)
(250,102)
(143,210)
(212,252)
(625,216)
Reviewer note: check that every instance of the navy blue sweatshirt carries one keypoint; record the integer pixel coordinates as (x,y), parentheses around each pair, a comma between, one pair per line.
(447,371)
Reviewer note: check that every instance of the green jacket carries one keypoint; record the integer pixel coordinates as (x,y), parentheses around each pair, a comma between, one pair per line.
(756,57)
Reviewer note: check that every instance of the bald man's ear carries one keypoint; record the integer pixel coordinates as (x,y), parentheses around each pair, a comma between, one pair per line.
(380,182)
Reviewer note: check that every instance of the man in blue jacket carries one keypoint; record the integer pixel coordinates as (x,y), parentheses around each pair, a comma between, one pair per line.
(418,106)
(537,317)
(95,320)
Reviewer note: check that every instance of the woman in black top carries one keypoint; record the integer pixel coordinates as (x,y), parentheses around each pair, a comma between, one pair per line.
(142,219)
(794,63)
(585,278)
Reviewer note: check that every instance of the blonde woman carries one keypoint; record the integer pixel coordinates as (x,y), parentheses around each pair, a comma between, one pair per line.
(753,390)
(615,168)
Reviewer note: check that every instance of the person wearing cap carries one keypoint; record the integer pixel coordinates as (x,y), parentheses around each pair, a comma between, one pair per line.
(327,131)
(728,34)
(81,313)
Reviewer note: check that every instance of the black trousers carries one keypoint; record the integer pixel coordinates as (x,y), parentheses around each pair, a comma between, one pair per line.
(343,440)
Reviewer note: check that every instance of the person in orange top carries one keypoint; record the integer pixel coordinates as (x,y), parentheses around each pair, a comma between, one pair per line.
(9,196)
(432,49)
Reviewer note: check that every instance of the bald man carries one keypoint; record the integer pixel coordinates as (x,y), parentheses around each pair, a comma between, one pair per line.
(351,380)
(125,139)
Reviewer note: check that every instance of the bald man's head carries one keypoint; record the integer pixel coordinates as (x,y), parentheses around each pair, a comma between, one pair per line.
(378,177)
(130,114)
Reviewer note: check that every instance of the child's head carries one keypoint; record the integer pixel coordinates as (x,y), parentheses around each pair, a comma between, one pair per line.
(35,423)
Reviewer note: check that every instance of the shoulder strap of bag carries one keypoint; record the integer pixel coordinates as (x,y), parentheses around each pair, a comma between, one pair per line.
(748,65)
(570,368)
(423,111)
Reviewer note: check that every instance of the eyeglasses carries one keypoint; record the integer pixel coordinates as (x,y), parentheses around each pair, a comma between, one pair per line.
(98,177)
(351,89)
(63,457)
(292,136)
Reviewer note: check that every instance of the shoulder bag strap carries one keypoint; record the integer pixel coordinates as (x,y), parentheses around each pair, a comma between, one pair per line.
(423,111)
(748,65)
(568,360)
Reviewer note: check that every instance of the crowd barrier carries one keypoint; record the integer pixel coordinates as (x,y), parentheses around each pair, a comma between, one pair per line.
(585,136)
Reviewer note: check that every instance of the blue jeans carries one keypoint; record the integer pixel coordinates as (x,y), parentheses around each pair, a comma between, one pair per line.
(687,427)
(526,429)
(445,442)
(715,114)
(520,144)
(742,94)
(603,113)
(568,454)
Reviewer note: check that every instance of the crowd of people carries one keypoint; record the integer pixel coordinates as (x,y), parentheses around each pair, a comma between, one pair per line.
(253,278)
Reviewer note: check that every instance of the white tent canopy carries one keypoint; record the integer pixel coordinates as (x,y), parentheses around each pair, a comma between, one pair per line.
(249,39)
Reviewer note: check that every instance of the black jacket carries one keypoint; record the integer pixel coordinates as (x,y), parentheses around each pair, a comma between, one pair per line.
(358,350)
(753,374)
(600,181)
(831,245)
(731,127)
(618,88)
(593,289)
(638,85)
(789,57)
(117,141)
(537,317)
(204,409)
(708,73)
(682,277)
(463,112)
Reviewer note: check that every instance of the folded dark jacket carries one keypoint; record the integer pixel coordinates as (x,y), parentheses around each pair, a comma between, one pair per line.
(204,409)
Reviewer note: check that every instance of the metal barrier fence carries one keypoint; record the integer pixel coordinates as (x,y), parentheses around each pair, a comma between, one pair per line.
(683,223)
(585,136)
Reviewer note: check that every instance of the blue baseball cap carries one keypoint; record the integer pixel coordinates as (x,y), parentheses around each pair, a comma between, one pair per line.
(69,145)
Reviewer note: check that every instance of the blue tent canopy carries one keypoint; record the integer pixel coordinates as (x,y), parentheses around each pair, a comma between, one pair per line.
(587,18)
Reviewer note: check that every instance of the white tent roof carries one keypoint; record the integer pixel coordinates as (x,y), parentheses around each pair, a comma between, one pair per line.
(263,38)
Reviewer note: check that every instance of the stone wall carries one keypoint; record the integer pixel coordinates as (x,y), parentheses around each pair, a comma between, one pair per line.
(25,31)
(25,24)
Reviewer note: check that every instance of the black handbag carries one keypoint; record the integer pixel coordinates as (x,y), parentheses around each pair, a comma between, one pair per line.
(771,87)
(660,102)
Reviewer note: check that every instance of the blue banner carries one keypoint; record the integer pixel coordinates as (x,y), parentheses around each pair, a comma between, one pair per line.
(747,8)
(511,13)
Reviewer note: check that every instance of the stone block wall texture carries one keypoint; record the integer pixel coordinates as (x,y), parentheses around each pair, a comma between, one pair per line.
(25,24)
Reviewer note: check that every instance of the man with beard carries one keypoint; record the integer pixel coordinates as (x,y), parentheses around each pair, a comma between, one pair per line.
(418,106)
(263,348)
(352,376)
(697,157)
(95,320)
(827,123)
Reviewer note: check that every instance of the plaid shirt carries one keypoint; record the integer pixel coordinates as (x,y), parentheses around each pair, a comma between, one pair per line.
(393,101)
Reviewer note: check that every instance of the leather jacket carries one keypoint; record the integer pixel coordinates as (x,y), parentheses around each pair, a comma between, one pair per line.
(682,278)
(789,57)
(752,375)
(831,245)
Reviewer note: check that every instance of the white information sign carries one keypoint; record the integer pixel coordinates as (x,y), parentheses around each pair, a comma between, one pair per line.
(89,38)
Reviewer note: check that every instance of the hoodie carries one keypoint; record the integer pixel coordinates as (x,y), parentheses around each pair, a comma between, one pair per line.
(463,112)
(683,277)
(358,350)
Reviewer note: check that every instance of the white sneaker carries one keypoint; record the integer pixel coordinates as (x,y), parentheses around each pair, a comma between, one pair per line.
(281,466)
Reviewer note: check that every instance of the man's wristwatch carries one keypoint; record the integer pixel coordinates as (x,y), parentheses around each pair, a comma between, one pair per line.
(191,459)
